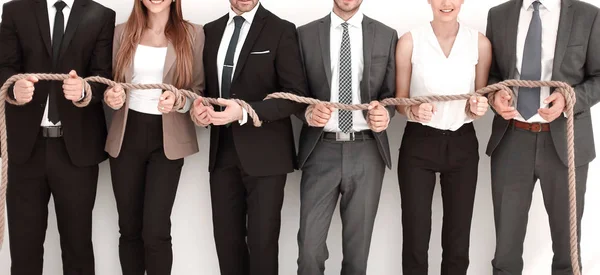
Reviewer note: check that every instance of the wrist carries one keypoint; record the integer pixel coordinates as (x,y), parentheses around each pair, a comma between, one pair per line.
(308,114)
(409,113)
(179,102)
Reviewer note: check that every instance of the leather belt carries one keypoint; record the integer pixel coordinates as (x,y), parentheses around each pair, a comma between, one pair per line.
(52,132)
(536,127)
(354,136)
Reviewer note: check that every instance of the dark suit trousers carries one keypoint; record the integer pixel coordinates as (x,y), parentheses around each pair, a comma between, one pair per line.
(244,206)
(49,171)
(517,163)
(426,151)
(145,184)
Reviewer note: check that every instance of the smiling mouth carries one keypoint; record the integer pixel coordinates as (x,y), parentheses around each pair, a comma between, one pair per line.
(447,10)
(156,1)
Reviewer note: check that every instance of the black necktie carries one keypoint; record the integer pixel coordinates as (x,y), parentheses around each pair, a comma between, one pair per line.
(57,36)
(228,65)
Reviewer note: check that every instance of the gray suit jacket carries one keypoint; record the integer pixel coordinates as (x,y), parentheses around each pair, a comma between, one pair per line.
(576,61)
(378,82)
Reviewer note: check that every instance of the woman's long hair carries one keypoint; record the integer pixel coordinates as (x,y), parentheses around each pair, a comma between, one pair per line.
(178,32)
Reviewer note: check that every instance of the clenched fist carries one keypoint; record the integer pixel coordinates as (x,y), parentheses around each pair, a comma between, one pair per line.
(379,118)
(320,115)
(502,105)
(423,112)
(73,87)
(115,97)
(167,100)
(24,88)
(478,105)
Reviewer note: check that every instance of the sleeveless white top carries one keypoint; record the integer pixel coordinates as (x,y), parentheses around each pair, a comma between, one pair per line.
(148,66)
(434,74)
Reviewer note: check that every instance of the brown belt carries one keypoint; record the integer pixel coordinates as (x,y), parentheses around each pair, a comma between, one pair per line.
(535,127)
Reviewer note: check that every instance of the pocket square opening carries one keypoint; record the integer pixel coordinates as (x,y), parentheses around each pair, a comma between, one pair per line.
(261,52)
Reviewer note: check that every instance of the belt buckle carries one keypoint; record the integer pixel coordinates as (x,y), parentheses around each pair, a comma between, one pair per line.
(341,136)
(52,131)
(539,124)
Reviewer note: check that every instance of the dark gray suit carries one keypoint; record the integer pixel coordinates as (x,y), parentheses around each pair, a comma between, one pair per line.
(519,157)
(353,169)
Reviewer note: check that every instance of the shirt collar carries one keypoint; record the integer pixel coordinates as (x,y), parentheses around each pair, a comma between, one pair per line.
(68,2)
(248,16)
(354,21)
(548,4)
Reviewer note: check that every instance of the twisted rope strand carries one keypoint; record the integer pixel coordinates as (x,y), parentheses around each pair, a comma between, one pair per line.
(565,89)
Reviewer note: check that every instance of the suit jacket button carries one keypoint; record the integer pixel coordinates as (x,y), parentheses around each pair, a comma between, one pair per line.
(43,105)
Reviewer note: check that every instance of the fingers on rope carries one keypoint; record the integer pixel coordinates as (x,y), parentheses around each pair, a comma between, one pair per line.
(562,87)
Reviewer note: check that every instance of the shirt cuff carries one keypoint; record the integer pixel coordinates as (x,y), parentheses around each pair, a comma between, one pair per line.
(389,118)
(244,117)
(82,94)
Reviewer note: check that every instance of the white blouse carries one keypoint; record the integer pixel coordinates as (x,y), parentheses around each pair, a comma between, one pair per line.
(148,66)
(435,74)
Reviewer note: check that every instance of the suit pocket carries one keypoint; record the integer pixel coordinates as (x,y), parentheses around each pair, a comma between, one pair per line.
(180,124)
(260,52)
(583,114)
(379,60)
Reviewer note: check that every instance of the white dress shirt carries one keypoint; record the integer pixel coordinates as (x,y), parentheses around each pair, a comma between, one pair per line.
(229,29)
(51,16)
(359,123)
(550,16)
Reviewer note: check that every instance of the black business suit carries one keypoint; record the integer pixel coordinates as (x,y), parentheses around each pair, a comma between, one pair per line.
(249,164)
(65,167)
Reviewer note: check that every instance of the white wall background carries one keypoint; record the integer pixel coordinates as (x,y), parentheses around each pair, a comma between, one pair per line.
(193,243)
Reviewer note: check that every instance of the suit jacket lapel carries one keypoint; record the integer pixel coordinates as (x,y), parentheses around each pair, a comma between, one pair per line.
(41,11)
(75,17)
(212,45)
(368,30)
(324,41)
(512,26)
(169,59)
(564,33)
(255,29)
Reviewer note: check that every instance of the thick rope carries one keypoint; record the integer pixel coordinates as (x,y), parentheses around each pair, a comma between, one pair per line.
(565,89)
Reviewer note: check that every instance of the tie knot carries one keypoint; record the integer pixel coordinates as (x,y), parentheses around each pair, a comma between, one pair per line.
(238,21)
(345,25)
(536,5)
(60,5)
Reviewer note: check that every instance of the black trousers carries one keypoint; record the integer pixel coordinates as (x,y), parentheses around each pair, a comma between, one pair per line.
(244,206)
(48,172)
(145,184)
(426,151)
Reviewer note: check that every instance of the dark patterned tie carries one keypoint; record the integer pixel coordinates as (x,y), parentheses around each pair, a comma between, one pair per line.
(528,99)
(345,91)
(57,37)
